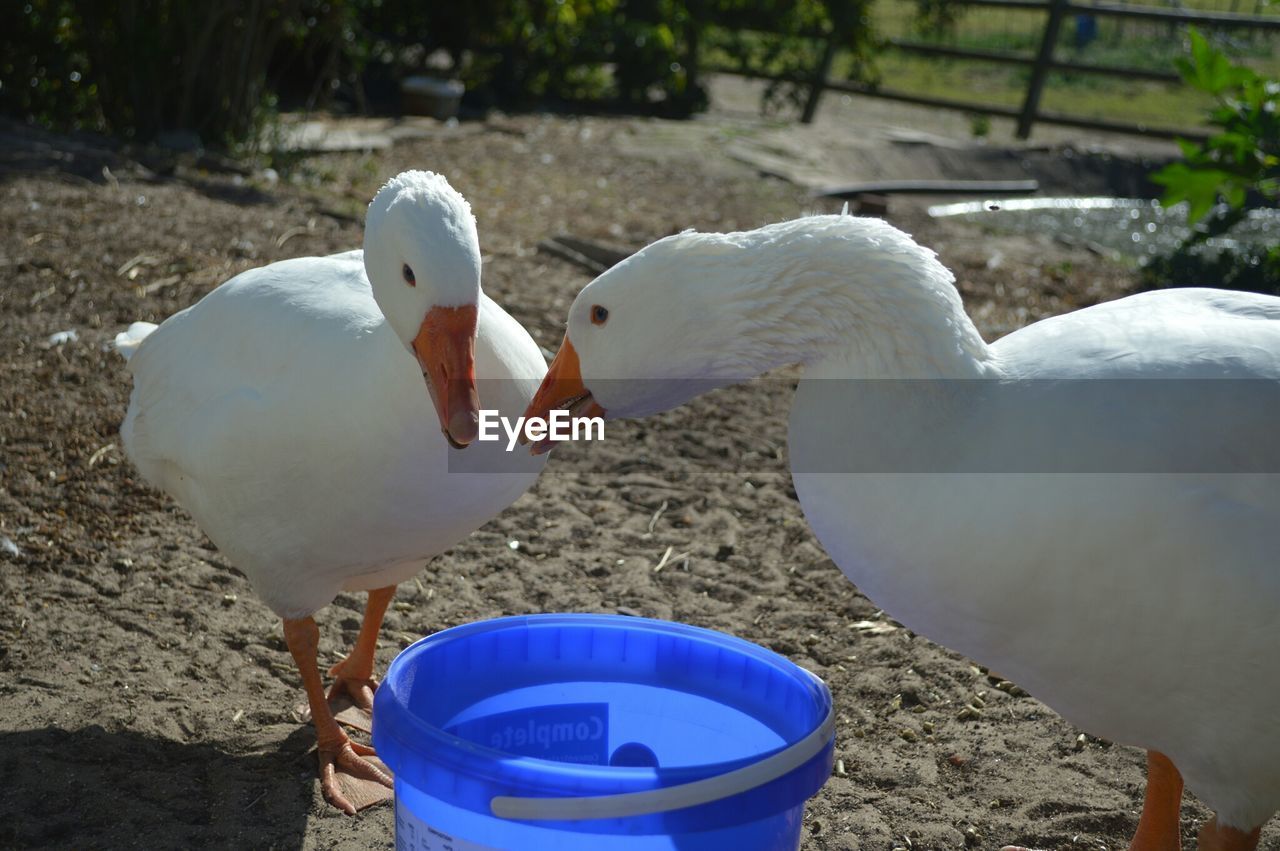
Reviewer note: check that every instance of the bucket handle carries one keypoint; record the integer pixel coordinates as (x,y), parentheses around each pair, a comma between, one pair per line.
(663,800)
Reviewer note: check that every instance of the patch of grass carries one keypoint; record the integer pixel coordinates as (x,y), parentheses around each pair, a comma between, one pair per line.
(1134,101)
(949,78)
(1119,42)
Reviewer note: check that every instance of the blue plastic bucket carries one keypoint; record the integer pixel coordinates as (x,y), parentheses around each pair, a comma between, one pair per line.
(590,732)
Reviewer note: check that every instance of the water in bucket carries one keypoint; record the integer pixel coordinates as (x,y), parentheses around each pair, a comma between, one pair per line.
(600,733)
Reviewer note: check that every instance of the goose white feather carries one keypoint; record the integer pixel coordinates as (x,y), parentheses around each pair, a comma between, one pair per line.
(1141,601)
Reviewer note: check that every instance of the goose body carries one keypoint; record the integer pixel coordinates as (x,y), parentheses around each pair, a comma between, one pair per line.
(1082,505)
(286,417)
(314,416)
(1143,606)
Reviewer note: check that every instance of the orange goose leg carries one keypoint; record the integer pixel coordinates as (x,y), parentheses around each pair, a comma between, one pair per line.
(1158,827)
(354,674)
(348,782)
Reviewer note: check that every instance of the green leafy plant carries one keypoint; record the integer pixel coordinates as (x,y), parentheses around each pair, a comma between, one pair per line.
(1222,178)
(1239,160)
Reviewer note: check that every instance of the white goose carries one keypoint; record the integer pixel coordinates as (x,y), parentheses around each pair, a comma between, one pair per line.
(288,412)
(1145,585)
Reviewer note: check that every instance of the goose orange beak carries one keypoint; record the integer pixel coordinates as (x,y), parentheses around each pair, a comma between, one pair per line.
(561,390)
(446,350)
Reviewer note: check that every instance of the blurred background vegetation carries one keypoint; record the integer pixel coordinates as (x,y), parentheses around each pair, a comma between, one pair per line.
(138,69)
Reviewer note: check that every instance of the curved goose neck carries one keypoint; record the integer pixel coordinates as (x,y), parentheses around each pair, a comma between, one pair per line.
(848,297)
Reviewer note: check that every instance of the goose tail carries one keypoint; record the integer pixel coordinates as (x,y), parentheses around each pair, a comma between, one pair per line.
(128,340)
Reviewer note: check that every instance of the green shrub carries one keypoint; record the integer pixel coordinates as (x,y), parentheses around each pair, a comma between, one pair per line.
(522,52)
(1236,168)
(138,68)
(639,54)
(1242,157)
(1252,271)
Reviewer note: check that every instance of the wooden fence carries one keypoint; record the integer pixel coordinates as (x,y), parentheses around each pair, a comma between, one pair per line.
(1041,65)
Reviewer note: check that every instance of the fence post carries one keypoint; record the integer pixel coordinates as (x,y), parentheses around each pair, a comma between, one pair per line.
(1057,9)
(820,79)
(694,18)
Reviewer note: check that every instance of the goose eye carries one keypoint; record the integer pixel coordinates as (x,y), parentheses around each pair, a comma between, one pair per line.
(408,276)
(599,314)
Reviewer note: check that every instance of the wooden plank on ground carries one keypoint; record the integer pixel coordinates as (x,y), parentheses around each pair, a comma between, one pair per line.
(929,187)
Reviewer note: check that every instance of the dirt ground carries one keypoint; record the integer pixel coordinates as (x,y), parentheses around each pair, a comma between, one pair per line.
(146,696)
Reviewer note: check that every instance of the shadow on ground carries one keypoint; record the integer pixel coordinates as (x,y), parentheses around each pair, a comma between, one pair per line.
(91,788)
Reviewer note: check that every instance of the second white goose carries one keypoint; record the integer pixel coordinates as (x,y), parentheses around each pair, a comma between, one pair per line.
(1133,525)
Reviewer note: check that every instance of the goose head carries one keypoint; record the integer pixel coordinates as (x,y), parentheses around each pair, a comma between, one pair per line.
(422,257)
(696,311)
(654,331)
(639,339)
